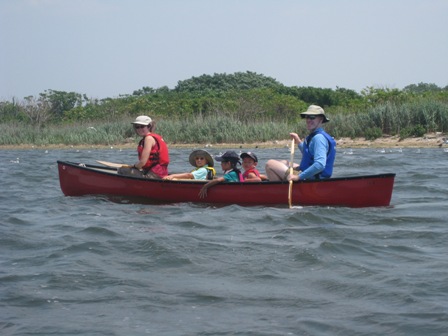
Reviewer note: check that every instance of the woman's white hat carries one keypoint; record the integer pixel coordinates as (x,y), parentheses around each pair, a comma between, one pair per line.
(142,120)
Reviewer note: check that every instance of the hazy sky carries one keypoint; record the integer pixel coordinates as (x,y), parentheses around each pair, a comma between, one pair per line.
(104,48)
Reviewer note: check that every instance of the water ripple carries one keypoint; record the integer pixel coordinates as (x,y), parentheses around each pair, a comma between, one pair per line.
(129,268)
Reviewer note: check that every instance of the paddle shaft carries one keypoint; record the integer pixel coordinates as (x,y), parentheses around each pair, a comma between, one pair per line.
(291,165)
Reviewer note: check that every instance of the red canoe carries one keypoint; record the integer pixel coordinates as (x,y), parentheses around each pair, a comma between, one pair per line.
(359,191)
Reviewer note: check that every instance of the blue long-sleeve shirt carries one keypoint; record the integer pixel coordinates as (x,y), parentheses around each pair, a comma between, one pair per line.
(318,149)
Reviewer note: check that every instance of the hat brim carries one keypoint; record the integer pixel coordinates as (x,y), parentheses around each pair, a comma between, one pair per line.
(325,119)
(139,123)
(200,152)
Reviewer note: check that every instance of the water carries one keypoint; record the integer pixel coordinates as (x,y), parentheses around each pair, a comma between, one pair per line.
(92,266)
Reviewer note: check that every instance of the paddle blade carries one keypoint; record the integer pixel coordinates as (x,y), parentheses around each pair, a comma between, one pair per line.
(111,164)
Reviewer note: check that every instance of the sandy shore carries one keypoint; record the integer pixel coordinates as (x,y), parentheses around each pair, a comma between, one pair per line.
(433,140)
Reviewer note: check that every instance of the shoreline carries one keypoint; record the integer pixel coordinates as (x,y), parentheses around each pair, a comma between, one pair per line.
(433,140)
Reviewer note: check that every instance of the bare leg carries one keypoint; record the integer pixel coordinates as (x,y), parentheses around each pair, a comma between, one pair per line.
(275,170)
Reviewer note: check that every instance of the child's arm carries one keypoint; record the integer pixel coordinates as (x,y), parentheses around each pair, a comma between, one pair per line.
(264,177)
(203,192)
(252,178)
(179,176)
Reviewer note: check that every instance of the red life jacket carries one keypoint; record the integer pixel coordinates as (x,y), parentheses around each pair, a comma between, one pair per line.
(159,152)
(252,170)
(238,172)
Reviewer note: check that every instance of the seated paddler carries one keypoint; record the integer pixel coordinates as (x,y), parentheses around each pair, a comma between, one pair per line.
(318,151)
(153,156)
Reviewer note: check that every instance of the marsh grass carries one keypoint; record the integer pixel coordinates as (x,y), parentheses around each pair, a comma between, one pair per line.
(104,133)
(382,119)
(217,129)
(222,129)
(431,115)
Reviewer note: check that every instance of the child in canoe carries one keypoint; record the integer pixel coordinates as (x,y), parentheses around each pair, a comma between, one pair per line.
(251,174)
(229,161)
(203,163)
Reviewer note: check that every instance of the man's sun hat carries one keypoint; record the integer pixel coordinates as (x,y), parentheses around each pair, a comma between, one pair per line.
(142,120)
(315,110)
(249,154)
(201,152)
(228,156)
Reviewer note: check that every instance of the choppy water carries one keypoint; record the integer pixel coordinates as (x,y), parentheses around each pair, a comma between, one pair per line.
(91,266)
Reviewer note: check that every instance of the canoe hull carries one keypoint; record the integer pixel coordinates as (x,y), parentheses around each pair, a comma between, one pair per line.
(360,191)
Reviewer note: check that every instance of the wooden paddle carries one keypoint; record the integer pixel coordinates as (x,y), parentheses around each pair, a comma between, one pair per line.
(112,164)
(290,173)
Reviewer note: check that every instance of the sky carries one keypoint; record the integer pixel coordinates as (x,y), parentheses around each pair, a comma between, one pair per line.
(107,48)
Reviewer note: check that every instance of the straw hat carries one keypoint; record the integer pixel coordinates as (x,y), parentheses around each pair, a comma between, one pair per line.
(200,152)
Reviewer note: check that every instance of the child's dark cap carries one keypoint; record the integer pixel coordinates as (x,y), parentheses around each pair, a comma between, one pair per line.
(249,154)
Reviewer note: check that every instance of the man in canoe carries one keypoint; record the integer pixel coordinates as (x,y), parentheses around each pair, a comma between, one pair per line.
(318,151)
(203,163)
(153,156)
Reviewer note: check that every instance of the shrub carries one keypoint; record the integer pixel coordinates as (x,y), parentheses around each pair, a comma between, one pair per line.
(412,131)
(373,133)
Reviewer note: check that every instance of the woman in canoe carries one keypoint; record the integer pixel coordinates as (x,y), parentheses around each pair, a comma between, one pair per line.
(203,163)
(318,151)
(153,156)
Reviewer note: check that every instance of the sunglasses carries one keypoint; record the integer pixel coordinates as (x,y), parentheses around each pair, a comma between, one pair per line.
(311,117)
(199,158)
(138,127)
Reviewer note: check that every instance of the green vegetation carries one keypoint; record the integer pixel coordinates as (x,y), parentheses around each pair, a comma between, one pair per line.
(232,108)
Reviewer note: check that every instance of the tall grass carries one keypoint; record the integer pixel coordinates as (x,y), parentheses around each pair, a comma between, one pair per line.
(223,129)
(391,118)
(105,133)
(387,118)
(216,129)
